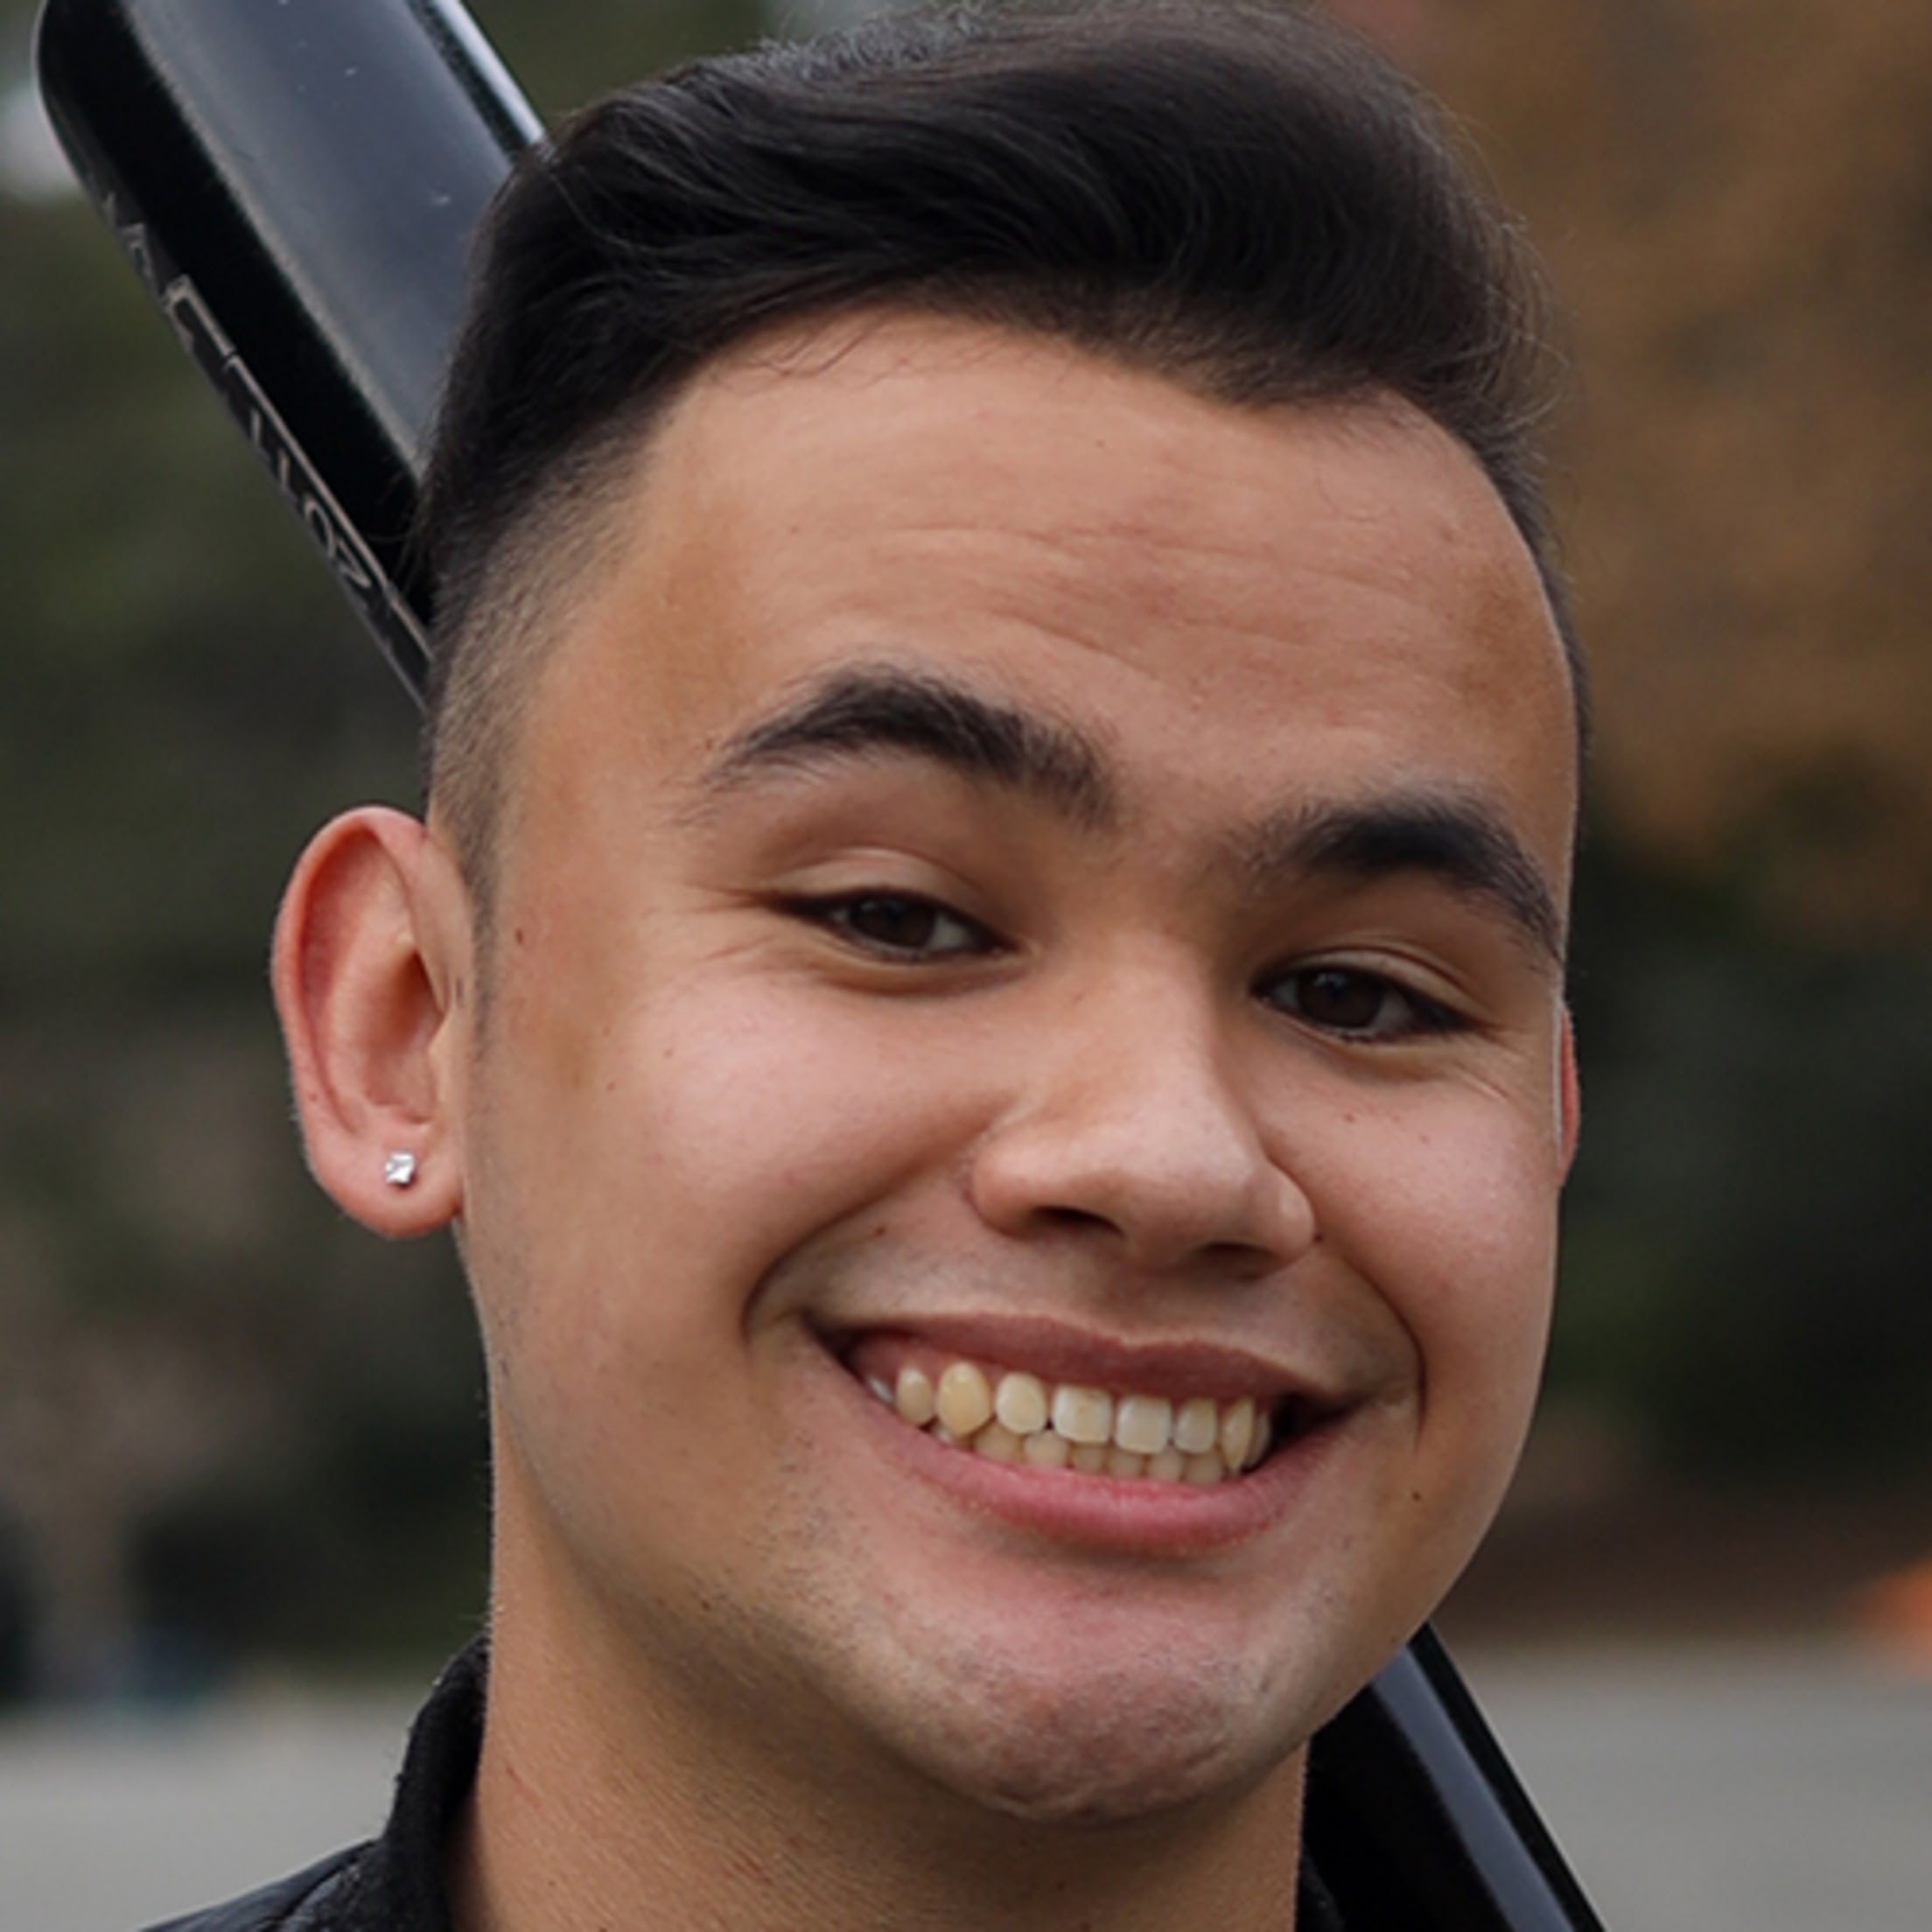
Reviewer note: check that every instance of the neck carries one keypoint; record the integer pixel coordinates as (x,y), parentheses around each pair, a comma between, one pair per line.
(604,1798)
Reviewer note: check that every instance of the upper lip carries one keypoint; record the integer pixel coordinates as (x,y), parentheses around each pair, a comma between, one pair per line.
(1180,1366)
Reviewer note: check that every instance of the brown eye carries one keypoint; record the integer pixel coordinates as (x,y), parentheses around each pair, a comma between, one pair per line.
(1350,1003)
(905,925)
(900,925)
(1359,1005)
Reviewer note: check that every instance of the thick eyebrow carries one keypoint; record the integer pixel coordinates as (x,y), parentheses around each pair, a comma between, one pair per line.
(863,709)
(866,708)
(1461,841)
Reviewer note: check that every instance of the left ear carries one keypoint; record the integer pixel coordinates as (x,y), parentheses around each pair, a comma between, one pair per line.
(1569,1093)
(371,975)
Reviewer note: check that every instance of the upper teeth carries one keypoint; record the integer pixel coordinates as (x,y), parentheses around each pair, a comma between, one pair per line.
(1020,1417)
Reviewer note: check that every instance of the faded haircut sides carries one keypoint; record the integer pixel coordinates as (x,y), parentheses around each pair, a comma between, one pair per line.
(1241,198)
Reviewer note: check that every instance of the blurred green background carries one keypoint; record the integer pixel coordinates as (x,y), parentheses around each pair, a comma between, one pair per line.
(234,1427)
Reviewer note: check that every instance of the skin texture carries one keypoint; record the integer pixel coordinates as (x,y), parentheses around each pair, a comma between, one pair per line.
(1168,1048)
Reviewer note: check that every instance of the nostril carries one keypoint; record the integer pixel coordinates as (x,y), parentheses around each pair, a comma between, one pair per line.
(1239,1261)
(1072,1218)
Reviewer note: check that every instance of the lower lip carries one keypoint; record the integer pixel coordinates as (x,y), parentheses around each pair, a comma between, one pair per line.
(1105,1511)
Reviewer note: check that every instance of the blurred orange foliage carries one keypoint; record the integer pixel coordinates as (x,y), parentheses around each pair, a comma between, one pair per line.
(1735,200)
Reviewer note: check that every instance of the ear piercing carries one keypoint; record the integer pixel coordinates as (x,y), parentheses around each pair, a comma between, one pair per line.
(399,1170)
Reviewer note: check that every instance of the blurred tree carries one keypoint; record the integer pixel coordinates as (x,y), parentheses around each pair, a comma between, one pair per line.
(1734,198)
(564,55)
(1748,1232)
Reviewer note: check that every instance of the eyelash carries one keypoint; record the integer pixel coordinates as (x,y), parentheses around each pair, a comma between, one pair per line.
(841,913)
(1422,1017)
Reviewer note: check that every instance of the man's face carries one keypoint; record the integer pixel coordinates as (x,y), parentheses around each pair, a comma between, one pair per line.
(1014,864)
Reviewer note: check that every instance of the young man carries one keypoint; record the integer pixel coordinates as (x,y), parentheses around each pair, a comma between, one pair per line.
(981,987)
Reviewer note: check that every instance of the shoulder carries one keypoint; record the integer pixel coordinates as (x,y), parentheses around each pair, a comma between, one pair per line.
(314,1900)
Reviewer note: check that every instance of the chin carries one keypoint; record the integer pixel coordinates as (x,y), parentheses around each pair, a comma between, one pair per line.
(1110,1746)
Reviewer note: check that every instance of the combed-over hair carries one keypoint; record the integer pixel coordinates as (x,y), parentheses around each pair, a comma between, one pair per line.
(1241,197)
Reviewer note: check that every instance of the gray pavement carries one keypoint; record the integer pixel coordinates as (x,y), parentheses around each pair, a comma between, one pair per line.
(1777,1790)
(111,1822)
(1717,1790)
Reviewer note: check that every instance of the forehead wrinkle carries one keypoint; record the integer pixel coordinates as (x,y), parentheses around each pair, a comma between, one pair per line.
(1457,839)
(864,711)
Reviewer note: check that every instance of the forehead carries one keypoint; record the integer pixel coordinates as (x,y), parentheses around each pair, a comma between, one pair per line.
(1307,595)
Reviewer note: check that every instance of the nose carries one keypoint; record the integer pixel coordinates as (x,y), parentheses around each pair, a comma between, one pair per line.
(1132,1123)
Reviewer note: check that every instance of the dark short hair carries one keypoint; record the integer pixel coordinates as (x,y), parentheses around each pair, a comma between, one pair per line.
(1243,198)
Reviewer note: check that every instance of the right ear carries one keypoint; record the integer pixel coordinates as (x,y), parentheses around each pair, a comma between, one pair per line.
(374,984)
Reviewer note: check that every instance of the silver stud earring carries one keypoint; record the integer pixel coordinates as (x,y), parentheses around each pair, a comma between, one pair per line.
(399,1170)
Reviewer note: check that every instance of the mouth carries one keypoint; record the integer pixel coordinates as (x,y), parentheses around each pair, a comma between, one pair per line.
(1144,1428)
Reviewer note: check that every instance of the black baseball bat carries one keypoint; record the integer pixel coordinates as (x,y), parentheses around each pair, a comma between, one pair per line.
(298,184)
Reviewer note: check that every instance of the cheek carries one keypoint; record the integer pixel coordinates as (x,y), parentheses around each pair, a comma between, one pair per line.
(768,1122)
(1446,1214)
(1445,1203)
(643,1181)
(664,1163)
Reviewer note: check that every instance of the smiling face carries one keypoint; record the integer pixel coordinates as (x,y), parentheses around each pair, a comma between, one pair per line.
(1013,864)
